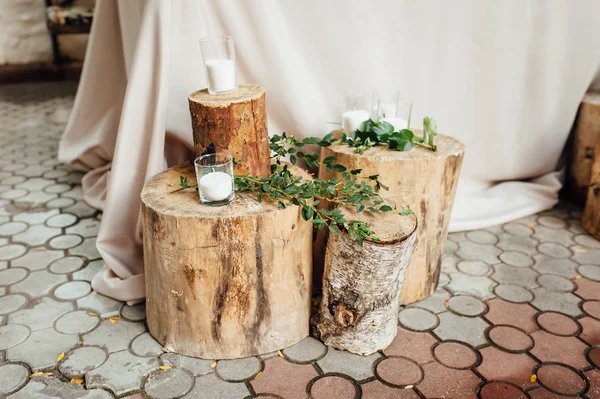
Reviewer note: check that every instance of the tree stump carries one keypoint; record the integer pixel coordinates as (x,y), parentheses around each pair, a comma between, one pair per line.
(591,214)
(423,179)
(236,123)
(362,284)
(586,136)
(224,282)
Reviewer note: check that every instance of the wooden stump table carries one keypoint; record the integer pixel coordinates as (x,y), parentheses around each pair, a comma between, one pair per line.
(224,282)
(591,214)
(423,179)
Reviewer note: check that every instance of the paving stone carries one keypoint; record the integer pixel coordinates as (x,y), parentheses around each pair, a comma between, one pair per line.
(513,293)
(461,328)
(510,339)
(11,228)
(449,263)
(560,379)
(34,184)
(12,335)
(466,305)
(85,228)
(588,289)
(444,382)
(238,370)
(457,237)
(479,286)
(12,275)
(509,242)
(587,241)
(10,303)
(42,348)
(333,387)
(556,283)
(305,351)
(37,259)
(455,355)
(81,209)
(435,303)
(518,315)
(54,174)
(275,371)
(593,377)
(444,280)
(100,304)
(211,387)
(89,271)
(41,315)
(145,345)
(87,249)
(32,171)
(417,319)
(450,247)
(554,250)
(58,188)
(590,330)
(565,350)
(557,323)
(134,313)
(66,241)
(377,390)
(114,336)
(38,284)
(414,345)
(497,365)
(399,371)
(592,308)
(518,229)
(589,256)
(62,220)
(482,237)
(550,235)
(60,203)
(522,276)
(167,384)
(552,221)
(81,360)
(77,322)
(355,366)
(13,193)
(121,373)
(562,267)
(472,251)
(513,258)
(195,366)
(594,356)
(562,302)
(73,290)
(474,268)
(11,251)
(501,390)
(52,388)
(591,272)
(11,180)
(35,216)
(66,265)
(36,235)
(12,377)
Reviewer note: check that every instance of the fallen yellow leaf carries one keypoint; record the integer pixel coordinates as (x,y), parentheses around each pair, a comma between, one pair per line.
(533,378)
(212,366)
(77,381)
(114,319)
(530,226)
(408,386)
(164,367)
(578,277)
(60,357)
(40,374)
(279,353)
(581,250)
(257,375)
(93,313)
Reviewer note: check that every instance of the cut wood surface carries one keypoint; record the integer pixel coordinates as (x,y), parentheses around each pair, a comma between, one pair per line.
(591,214)
(423,179)
(224,282)
(236,123)
(586,137)
(362,284)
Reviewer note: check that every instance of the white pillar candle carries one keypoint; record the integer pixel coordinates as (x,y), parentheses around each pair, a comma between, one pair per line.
(221,74)
(352,120)
(215,186)
(398,123)
(387,110)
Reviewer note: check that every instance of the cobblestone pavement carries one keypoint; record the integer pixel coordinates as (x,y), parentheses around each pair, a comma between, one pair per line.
(517,313)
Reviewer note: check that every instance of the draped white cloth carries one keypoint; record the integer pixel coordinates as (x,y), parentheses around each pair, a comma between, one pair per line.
(505,77)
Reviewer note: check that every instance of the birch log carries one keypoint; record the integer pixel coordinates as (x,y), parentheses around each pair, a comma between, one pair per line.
(236,123)
(423,179)
(591,214)
(362,284)
(586,136)
(224,282)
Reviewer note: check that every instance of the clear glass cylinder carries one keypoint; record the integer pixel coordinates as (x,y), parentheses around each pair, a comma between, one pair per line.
(355,110)
(214,173)
(389,107)
(218,53)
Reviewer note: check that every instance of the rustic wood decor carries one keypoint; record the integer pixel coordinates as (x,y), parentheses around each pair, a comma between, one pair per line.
(425,180)
(224,282)
(236,123)
(586,137)
(362,284)
(591,214)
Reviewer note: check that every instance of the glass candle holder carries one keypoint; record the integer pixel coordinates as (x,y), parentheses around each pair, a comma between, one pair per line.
(218,54)
(355,110)
(214,173)
(389,107)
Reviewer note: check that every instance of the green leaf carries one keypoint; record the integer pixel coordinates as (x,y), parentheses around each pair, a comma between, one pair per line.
(355,171)
(429,132)
(333,228)
(183,182)
(307,212)
(330,159)
(339,168)
(406,211)
(385,208)
(281,205)
(293,159)
(360,207)
(266,187)
(382,128)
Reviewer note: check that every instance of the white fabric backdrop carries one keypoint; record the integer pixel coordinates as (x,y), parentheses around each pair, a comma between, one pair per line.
(504,77)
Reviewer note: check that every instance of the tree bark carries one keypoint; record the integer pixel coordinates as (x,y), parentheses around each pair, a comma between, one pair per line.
(362,284)
(236,123)
(586,136)
(423,179)
(224,282)
(591,214)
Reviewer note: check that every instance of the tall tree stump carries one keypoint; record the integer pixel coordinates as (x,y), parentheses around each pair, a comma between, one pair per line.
(423,179)
(591,214)
(224,282)
(236,123)
(586,137)
(362,284)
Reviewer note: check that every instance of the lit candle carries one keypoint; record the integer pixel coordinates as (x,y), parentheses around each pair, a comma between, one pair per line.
(352,120)
(215,186)
(221,74)
(398,123)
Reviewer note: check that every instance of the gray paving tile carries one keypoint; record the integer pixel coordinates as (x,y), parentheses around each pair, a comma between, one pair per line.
(482,237)
(514,258)
(35,217)
(195,366)
(77,322)
(42,348)
(552,282)
(10,303)
(522,276)
(85,228)
(65,241)
(12,275)
(134,313)
(37,258)
(72,290)
(548,265)
(513,293)
(38,284)
(467,305)
(81,209)
(89,271)
(305,351)
(238,370)
(42,314)
(479,286)
(35,184)
(450,247)
(562,302)
(554,250)
(81,360)
(87,249)
(552,221)
(168,384)
(60,203)
(509,242)
(472,251)
(145,345)
(12,335)
(587,241)
(591,272)
(417,319)
(52,388)
(434,303)
(449,263)
(474,268)
(67,265)
(114,336)
(558,236)
(461,328)
(355,366)
(12,228)
(211,387)
(590,256)
(11,251)
(100,304)
(12,377)
(62,220)
(518,229)
(36,235)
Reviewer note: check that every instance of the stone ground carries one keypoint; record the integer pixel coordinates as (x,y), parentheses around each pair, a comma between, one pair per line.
(517,313)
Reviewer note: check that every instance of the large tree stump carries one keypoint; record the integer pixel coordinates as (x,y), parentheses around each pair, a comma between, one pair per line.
(423,179)
(236,123)
(362,284)
(586,136)
(591,214)
(224,282)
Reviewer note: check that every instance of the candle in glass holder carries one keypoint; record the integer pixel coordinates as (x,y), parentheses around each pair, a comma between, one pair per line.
(390,108)
(218,53)
(354,111)
(214,173)
(215,186)
(398,123)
